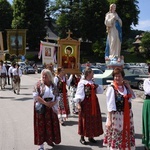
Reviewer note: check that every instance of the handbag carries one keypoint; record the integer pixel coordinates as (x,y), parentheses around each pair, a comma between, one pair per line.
(39,108)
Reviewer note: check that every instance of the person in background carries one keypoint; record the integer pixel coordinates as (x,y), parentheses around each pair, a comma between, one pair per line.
(17,73)
(51,68)
(145,114)
(119,129)
(62,81)
(7,68)
(11,74)
(35,67)
(90,120)
(46,124)
(3,75)
(75,78)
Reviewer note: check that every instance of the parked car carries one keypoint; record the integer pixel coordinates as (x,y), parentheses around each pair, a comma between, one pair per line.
(97,71)
(8,62)
(28,70)
(101,66)
(142,73)
(22,65)
(83,66)
(40,67)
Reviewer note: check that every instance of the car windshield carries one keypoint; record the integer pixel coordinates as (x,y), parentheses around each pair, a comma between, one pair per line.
(97,72)
(139,71)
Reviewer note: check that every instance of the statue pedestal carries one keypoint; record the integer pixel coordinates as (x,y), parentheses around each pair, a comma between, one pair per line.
(113,63)
(114,66)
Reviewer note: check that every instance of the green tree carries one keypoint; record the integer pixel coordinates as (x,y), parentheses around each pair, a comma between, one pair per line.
(145,43)
(6,17)
(30,15)
(85,18)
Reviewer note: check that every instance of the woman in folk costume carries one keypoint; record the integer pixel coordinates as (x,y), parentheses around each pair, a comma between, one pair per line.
(62,81)
(46,123)
(119,132)
(90,120)
(145,114)
(75,78)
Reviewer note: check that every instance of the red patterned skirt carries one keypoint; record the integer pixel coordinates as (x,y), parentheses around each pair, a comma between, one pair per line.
(113,136)
(61,107)
(90,125)
(46,127)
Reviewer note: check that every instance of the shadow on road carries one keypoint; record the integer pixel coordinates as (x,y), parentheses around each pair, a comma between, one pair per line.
(71,123)
(7,98)
(22,99)
(64,147)
(140,148)
(67,147)
(138,136)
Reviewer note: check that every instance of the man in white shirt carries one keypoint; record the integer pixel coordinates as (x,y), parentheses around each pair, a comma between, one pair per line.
(17,73)
(11,74)
(3,75)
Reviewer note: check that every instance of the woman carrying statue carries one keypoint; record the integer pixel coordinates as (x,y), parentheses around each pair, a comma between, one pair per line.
(114,29)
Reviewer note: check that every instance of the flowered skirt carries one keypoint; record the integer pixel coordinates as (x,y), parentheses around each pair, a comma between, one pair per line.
(146,123)
(46,127)
(61,107)
(113,135)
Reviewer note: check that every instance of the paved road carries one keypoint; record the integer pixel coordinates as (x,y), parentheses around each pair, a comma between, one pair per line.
(16,121)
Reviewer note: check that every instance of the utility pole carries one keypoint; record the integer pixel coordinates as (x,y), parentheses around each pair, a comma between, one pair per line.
(17,43)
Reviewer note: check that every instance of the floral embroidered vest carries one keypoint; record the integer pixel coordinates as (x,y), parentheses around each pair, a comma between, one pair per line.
(87,90)
(60,85)
(75,81)
(119,100)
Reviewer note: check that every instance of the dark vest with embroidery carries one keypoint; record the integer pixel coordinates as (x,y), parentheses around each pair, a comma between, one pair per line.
(74,81)
(60,85)
(119,100)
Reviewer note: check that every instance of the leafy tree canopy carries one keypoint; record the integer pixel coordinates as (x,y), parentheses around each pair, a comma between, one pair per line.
(6,16)
(86,18)
(145,41)
(30,15)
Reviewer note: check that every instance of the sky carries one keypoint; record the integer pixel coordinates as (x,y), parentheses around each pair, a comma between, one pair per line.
(144,17)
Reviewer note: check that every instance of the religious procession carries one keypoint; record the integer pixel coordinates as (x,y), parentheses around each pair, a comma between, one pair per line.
(67,90)
(52,104)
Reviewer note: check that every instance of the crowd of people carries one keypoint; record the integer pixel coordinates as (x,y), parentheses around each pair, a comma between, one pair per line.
(10,75)
(83,101)
(57,95)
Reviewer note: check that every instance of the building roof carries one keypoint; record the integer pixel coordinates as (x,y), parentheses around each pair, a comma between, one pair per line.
(50,34)
(138,41)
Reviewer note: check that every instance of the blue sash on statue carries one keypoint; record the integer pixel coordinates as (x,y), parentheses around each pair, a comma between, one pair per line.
(107,48)
(118,27)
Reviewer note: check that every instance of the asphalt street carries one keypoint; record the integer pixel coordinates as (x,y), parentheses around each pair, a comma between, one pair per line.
(16,121)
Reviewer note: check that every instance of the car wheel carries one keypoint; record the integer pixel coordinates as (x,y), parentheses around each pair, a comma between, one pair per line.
(140,85)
